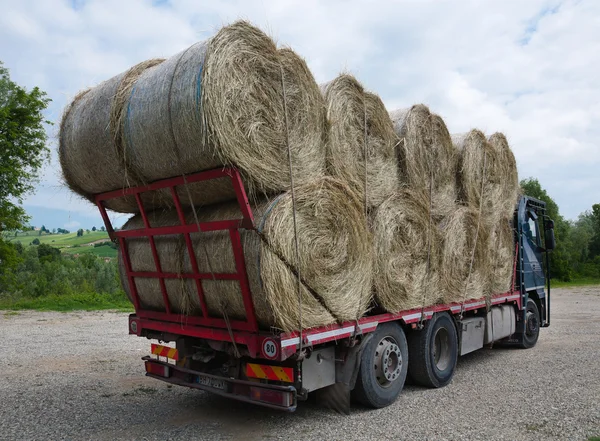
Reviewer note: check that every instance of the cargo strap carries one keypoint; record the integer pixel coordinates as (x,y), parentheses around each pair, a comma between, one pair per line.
(483,177)
(365,140)
(296,244)
(222,304)
(428,268)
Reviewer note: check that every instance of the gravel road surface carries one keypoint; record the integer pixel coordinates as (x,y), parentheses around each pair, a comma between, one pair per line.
(79,376)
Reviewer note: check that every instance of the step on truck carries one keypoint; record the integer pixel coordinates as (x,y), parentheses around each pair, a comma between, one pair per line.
(367,360)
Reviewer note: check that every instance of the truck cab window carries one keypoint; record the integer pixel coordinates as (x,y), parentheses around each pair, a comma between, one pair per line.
(532,230)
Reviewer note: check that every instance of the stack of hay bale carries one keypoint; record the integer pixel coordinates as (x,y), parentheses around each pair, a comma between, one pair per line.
(387,205)
(221,102)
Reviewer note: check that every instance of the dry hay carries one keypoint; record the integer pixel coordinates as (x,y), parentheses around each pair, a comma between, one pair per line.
(349,108)
(502,249)
(169,248)
(478,171)
(244,67)
(462,241)
(85,149)
(335,259)
(508,164)
(402,279)
(219,102)
(427,156)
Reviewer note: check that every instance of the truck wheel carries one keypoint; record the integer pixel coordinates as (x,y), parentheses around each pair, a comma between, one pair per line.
(383,367)
(433,352)
(532,325)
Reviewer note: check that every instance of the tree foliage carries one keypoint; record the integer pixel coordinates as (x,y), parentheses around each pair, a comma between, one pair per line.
(43,271)
(22,147)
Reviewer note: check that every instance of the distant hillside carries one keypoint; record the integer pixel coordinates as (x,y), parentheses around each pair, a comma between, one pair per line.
(71,243)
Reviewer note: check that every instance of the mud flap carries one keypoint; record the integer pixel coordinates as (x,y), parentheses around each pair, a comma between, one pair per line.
(337,396)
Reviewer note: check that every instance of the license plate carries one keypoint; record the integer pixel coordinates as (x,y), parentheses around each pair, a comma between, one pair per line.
(211,382)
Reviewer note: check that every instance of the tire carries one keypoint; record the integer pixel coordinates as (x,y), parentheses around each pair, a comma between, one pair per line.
(433,352)
(383,367)
(532,325)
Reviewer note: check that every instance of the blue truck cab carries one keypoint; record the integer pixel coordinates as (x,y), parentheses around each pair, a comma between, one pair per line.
(534,235)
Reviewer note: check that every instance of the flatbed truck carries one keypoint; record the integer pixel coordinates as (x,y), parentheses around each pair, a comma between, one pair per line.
(367,359)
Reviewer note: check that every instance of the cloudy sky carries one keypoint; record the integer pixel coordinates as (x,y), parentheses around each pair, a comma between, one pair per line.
(529,68)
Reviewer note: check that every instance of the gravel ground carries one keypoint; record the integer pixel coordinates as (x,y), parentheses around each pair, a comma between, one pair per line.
(79,376)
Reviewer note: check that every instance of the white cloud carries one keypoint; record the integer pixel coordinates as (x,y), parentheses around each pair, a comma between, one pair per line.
(526,68)
(72,225)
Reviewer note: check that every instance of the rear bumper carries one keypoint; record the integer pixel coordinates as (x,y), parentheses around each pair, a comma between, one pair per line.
(267,395)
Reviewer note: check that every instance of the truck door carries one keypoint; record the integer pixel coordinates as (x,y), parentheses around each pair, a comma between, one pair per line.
(532,263)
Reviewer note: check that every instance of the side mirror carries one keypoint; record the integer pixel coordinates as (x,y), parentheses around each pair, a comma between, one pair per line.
(549,235)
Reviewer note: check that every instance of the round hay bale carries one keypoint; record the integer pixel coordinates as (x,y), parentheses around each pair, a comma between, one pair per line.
(219,102)
(508,164)
(427,156)
(169,249)
(243,66)
(335,259)
(478,163)
(349,108)
(502,250)
(459,242)
(401,276)
(86,151)
(445,156)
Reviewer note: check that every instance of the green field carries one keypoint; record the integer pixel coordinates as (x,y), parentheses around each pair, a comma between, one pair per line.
(69,243)
(72,302)
(575,282)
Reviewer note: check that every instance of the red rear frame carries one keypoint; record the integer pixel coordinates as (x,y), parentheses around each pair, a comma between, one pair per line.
(245,332)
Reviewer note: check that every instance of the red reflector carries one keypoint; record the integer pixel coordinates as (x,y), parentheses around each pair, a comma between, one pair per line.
(271,396)
(158,369)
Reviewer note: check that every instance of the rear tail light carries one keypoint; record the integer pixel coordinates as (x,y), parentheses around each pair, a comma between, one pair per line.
(280,398)
(158,369)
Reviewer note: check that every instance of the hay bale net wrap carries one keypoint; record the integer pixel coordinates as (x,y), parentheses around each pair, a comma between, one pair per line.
(508,164)
(402,277)
(349,106)
(458,280)
(335,259)
(169,249)
(502,249)
(426,153)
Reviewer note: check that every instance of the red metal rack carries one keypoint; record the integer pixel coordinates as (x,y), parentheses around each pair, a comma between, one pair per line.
(185,229)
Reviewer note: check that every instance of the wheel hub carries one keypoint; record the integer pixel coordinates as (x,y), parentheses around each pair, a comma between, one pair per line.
(388,361)
(532,323)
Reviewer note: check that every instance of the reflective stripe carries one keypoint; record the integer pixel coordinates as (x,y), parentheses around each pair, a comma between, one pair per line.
(290,342)
(165,351)
(332,333)
(266,372)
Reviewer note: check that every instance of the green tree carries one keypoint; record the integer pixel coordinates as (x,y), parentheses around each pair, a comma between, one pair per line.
(102,228)
(47,253)
(35,241)
(80,232)
(23,147)
(93,228)
(595,224)
(560,264)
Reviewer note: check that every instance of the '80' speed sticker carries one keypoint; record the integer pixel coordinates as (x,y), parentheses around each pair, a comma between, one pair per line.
(270,349)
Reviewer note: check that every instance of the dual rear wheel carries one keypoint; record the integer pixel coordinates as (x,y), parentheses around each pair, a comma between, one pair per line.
(428,356)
